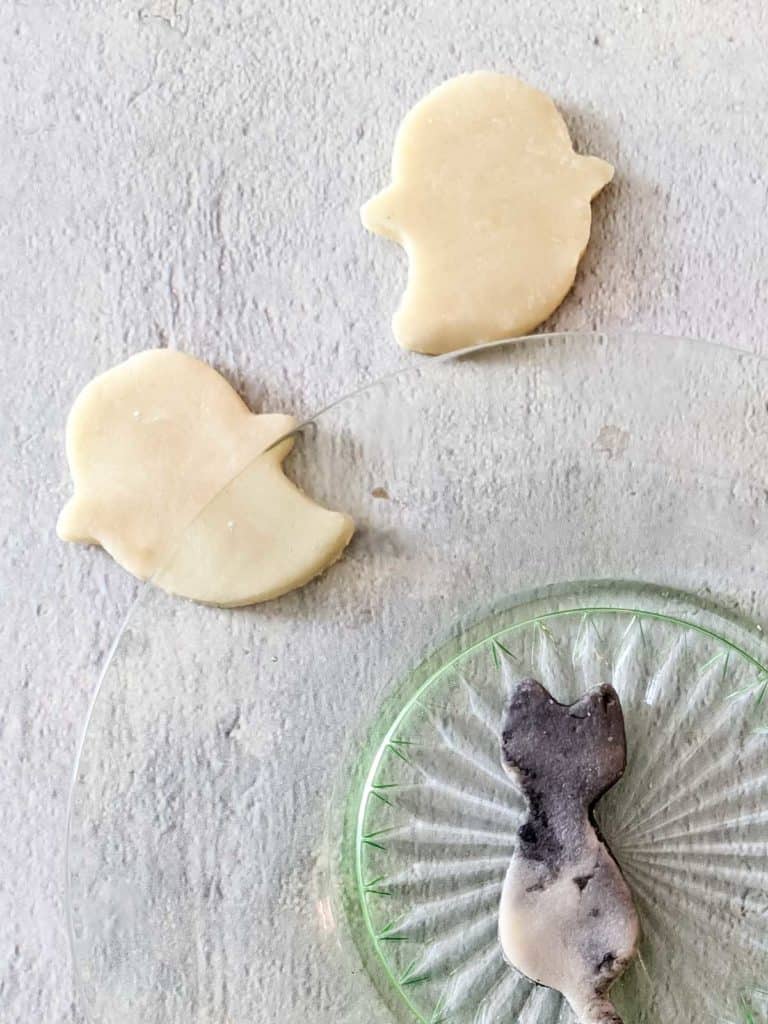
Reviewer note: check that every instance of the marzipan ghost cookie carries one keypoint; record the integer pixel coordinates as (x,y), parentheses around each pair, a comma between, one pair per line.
(492,206)
(180,482)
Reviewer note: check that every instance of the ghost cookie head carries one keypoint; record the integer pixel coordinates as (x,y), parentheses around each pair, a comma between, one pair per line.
(492,205)
(179,481)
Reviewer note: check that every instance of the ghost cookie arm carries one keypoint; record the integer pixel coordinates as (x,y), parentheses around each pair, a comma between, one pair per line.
(73,522)
(378,215)
(594,174)
(260,538)
(78,521)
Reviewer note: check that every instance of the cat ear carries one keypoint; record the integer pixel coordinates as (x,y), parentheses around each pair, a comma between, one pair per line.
(597,705)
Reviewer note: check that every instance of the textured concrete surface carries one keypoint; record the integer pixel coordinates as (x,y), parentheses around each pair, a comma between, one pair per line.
(188,173)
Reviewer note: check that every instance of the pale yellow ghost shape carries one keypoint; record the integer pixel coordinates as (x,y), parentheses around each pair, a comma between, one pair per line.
(151,443)
(492,206)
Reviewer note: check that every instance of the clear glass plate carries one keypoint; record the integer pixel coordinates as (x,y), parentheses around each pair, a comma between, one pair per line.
(218,865)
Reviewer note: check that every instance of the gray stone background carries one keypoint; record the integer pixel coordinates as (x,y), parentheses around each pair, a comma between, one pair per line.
(188,174)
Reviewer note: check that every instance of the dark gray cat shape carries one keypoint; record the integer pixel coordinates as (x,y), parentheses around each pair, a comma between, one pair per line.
(567,919)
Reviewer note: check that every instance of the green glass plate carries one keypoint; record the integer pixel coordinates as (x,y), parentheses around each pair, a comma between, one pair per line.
(434,824)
